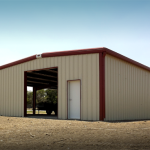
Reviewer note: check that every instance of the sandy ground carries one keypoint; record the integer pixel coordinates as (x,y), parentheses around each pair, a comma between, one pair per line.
(42,134)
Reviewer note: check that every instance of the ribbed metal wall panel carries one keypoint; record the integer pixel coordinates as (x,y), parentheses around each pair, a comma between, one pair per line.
(84,67)
(127,90)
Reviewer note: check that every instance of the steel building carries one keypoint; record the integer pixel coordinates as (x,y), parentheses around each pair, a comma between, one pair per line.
(92,84)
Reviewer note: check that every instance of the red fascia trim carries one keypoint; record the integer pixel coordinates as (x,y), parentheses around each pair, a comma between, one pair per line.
(18,62)
(78,52)
(115,54)
(74,52)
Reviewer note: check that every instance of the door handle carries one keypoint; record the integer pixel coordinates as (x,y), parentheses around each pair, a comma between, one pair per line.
(70,99)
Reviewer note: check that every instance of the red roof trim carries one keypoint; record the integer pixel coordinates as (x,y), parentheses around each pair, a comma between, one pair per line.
(115,54)
(74,52)
(18,62)
(78,52)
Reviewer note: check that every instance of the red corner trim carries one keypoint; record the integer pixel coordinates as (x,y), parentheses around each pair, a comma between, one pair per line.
(100,88)
(102,85)
(25,94)
(103,79)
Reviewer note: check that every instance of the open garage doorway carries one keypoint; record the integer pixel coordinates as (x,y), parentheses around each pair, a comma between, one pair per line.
(41,92)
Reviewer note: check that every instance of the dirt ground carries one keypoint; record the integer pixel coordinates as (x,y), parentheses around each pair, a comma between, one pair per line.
(42,134)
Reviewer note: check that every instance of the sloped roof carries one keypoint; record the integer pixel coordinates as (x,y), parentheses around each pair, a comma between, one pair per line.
(78,52)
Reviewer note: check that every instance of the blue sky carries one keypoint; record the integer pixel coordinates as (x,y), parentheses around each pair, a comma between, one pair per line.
(29,27)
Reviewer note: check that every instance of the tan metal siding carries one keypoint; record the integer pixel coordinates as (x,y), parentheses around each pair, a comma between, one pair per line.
(84,67)
(127,92)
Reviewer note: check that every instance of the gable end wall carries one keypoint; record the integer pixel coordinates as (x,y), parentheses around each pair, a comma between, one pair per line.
(84,67)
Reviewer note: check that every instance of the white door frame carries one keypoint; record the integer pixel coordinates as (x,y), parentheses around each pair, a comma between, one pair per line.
(68,96)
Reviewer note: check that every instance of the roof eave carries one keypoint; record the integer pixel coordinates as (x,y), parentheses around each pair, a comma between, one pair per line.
(78,52)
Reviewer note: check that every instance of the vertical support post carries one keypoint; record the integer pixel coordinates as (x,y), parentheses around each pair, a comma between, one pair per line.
(102,85)
(57,92)
(34,99)
(25,94)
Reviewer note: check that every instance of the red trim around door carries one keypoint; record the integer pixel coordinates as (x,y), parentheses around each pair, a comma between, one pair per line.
(25,88)
(80,96)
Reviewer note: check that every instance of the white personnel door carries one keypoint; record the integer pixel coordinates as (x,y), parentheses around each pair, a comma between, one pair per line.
(74,99)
